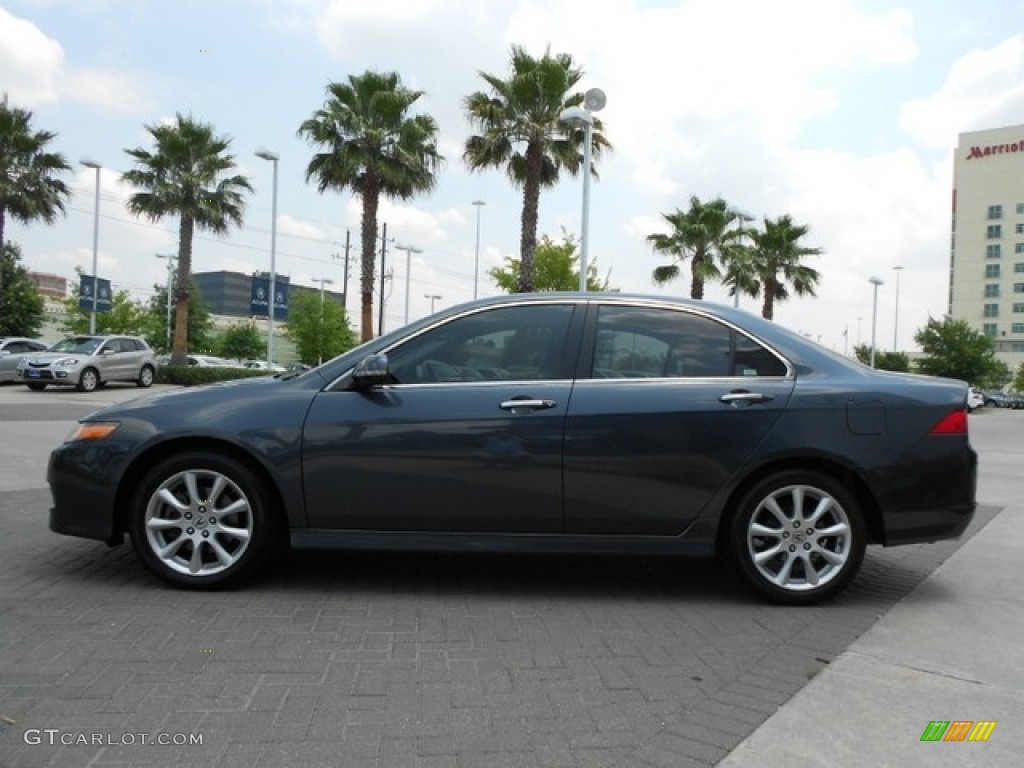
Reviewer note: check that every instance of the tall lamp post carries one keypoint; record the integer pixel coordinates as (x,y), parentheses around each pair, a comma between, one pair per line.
(320,338)
(266,154)
(875,281)
(170,280)
(476,260)
(593,101)
(88,162)
(409,251)
(896,322)
(433,297)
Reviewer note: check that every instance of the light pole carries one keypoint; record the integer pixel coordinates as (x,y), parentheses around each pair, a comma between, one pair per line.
(320,337)
(476,260)
(409,251)
(896,322)
(875,281)
(593,101)
(88,162)
(433,297)
(266,154)
(170,279)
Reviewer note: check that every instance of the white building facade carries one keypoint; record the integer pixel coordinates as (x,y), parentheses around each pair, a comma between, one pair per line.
(986,286)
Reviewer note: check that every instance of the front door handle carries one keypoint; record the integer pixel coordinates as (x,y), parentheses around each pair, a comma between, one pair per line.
(527,405)
(744,398)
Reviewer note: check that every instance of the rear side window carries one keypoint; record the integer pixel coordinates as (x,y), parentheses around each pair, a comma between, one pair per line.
(649,342)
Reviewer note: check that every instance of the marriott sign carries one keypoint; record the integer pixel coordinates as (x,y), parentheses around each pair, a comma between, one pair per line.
(995,149)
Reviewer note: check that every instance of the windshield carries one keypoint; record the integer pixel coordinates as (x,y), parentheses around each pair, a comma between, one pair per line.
(82,345)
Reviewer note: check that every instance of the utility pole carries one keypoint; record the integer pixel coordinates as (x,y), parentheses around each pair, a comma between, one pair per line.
(344,280)
(383,261)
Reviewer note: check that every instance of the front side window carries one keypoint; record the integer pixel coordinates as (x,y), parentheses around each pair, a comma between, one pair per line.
(647,342)
(525,343)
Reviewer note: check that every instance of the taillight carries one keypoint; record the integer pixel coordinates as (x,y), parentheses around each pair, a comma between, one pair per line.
(954,423)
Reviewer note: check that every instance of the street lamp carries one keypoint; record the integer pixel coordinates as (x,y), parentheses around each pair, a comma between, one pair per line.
(320,337)
(896,323)
(266,154)
(88,162)
(476,261)
(433,297)
(875,281)
(170,279)
(409,251)
(593,101)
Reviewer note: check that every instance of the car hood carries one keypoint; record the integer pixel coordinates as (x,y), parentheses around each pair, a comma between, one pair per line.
(49,357)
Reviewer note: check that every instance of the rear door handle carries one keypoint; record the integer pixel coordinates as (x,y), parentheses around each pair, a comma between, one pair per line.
(744,398)
(527,405)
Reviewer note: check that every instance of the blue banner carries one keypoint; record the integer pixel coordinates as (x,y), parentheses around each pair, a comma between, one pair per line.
(102,294)
(259,298)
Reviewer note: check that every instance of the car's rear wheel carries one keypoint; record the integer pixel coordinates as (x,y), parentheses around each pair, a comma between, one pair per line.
(145,377)
(200,520)
(797,537)
(88,381)
(35,386)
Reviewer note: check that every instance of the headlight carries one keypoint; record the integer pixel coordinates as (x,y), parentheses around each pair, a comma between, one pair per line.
(92,430)
(66,361)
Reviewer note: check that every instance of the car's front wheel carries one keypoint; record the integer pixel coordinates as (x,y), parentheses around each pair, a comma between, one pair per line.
(145,377)
(797,537)
(201,520)
(89,380)
(36,386)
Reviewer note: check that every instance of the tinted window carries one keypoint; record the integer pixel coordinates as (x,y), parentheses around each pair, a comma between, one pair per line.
(640,342)
(511,344)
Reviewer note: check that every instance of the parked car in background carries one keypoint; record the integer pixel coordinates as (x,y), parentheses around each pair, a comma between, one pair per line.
(605,423)
(12,349)
(975,398)
(997,399)
(211,361)
(89,362)
(263,365)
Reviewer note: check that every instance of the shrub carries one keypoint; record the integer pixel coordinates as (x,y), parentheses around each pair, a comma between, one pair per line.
(193,375)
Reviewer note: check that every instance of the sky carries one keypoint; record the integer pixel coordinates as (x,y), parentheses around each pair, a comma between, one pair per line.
(843,114)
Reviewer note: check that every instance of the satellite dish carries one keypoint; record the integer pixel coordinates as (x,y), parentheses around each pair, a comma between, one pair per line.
(594,100)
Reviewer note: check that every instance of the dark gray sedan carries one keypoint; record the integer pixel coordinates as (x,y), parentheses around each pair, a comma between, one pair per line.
(545,423)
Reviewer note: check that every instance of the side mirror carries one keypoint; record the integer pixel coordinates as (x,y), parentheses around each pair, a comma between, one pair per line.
(371,371)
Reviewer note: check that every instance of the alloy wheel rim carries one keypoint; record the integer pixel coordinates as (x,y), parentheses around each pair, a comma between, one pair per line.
(198,522)
(799,538)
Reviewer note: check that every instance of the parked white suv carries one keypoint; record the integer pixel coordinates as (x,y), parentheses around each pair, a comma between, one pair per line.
(89,362)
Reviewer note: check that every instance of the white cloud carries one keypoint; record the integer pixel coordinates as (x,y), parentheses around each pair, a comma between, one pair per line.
(296,227)
(108,89)
(30,62)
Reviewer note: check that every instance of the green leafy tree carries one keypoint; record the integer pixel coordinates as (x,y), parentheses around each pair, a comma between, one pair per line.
(319,328)
(953,349)
(884,361)
(701,234)
(184,176)
(22,309)
(125,316)
(556,266)
(30,187)
(373,146)
(520,131)
(1018,380)
(200,324)
(241,341)
(777,262)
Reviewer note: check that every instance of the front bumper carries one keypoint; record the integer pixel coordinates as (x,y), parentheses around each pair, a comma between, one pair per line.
(83,479)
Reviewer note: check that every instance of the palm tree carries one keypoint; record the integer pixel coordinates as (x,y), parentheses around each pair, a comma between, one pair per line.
(29,189)
(183,176)
(700,234)
(777,255)
(375,147)
(520,131)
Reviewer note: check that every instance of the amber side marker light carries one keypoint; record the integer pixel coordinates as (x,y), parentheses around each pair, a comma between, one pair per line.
(92,431)
(954,423)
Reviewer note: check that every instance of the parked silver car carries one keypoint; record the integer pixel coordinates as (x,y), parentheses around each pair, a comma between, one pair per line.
(89,362)
(12,349)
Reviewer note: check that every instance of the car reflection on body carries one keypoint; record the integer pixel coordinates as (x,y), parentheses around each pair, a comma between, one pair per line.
(633,424)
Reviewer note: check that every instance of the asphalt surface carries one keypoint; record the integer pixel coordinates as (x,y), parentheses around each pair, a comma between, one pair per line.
(435,661)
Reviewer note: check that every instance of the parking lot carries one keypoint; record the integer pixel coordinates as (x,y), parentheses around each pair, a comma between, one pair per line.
(404,660)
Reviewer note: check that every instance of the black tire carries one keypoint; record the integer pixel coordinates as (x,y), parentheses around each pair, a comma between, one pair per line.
(88,380)
(213,550)
(806,568)
(146,375)
(35,386)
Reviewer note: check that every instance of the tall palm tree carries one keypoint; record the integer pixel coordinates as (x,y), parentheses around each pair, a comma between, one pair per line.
(520,131)
(29,187)
(777,256)
(701,234)
(373,146)
(184,176)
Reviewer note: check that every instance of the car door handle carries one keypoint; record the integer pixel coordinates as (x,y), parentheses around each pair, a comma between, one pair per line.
(527,405)
(744,398)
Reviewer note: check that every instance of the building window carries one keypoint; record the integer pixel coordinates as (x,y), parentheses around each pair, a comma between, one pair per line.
(995,211)
(990,329)
(994,230)
(1018,287)
(992,291)
(1018,267)
(1017,347)
(1020,209)
(1019,229)
(1017,328)
(991,310)
(1018,248)
(993,251)
(991,270)
(1018,309)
